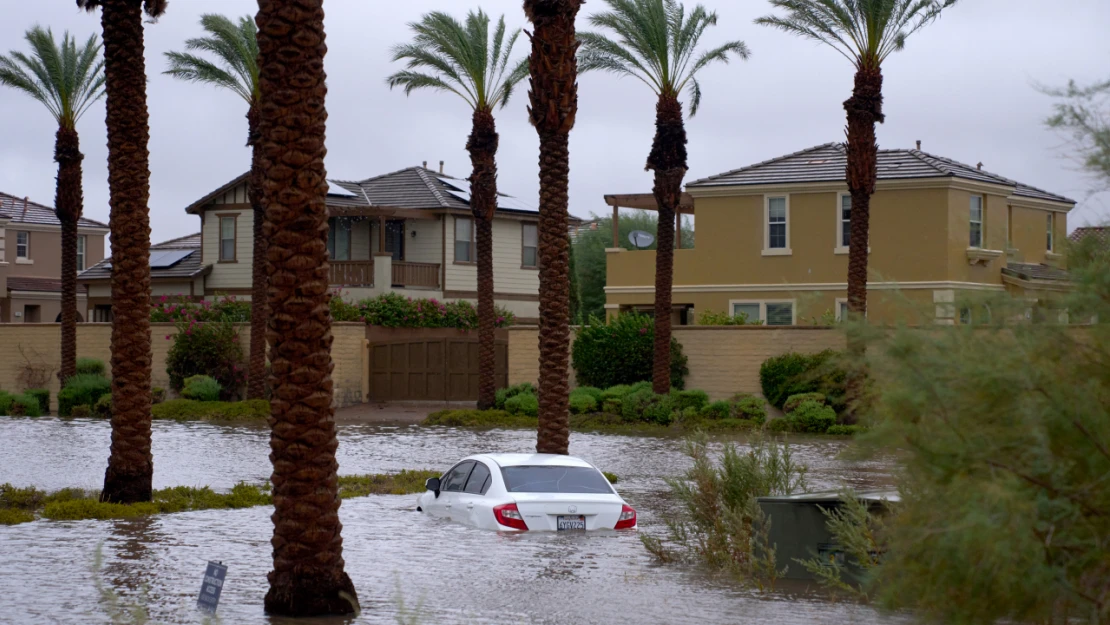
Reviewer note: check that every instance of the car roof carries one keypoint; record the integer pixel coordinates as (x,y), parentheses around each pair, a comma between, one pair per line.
(516,460)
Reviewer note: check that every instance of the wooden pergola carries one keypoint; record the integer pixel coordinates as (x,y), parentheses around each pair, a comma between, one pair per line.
(646,201)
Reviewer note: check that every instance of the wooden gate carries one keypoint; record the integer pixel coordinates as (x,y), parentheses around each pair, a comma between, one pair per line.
(436,369)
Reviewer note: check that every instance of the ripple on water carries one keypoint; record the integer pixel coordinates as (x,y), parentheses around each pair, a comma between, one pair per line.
(405,565)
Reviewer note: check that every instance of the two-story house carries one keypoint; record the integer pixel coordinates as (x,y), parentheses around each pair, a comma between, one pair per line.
(31,260)
(409,231)
(773,240)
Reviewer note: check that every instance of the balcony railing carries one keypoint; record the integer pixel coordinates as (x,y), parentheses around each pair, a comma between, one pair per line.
(352,272)
(416,275)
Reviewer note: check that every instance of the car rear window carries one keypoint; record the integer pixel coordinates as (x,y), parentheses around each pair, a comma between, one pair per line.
(547,479)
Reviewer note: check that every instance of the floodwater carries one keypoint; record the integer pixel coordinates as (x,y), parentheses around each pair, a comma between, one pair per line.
(406,567)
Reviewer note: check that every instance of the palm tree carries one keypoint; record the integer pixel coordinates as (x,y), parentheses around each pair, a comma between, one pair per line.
(67,80)
(554,105)
(657,42)
(130,465)
(459,59)
(865,32)
(235,47)
(308,577)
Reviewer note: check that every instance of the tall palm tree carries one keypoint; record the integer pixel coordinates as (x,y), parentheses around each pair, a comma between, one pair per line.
(130,465)
(446,55)
(554,104)
(865,32)
(235,48)
(308,577)
(656,43)
(67,80)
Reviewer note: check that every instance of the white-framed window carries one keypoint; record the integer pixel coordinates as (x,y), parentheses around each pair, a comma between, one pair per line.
(976,221)
(752,311)
(22,244)
(339,238)
(228,228)
(1049,243)
(464,240)
(767,312)
(529,245)
(81,253)
(841,309)
(776,225)
(843,221)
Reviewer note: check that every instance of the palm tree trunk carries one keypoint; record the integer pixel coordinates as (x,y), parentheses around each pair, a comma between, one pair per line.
(256,376)
(482,146)
(554,104)
(68,203)
(308,577)
(668,159)
(130,466)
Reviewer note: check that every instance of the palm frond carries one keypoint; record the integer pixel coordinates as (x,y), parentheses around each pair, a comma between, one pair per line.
(234,46)
(66,78)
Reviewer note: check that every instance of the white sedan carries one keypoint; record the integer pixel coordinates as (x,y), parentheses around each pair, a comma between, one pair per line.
(526,492)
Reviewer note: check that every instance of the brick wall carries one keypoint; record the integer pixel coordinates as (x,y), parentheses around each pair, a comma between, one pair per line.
(723,360)
(40,345)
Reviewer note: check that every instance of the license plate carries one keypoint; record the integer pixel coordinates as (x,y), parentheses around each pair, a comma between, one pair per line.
(567,523)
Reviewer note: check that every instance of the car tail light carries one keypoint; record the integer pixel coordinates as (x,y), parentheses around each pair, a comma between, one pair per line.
(628,518)
(508,515)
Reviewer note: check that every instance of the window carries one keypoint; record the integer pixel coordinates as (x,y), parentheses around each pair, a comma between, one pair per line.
(23,245)
(842,310)
(1048,232)
(479,480)
(554,479)
(976,221)
(81,253)
(464,240)
(339,238)
(456,478)
(780,314)
(843,223)
(777,238)
(102,313)
(228,227)
(965,316)
(750,312)
(529,245)
(32,313)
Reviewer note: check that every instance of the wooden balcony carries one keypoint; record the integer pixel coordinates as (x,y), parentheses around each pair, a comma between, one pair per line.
(416,275)
(353,272)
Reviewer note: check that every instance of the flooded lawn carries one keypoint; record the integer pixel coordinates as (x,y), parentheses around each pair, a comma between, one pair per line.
(406,567)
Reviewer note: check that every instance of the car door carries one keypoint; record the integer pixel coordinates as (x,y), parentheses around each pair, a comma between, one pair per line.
(450,487)
(470,503)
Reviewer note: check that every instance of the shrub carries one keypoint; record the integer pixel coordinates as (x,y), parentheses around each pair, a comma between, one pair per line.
(5,403)
(596,393)
(749,407)
(794,401)
(716,410)
(210,349)
(644,406)
(42,395)
(781,425)
(846,430)
(711,318)
(812,417)
(83,389)
(793,374)
(180,308)
(10,516)
(523,404)
(158,394)
(190,410)
(478,418)
(91,366)
(103,407)
(503,394)
(621,352)
(26,406)
(689,399)
(582,403)
(393,310)
(201,388)
(81,412)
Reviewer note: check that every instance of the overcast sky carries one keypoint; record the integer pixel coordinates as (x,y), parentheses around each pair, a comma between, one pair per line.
(964,86)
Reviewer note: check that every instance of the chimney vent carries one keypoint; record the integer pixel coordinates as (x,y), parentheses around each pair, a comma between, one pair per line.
(425,165)
(441,167)
(979,166)
(919,145)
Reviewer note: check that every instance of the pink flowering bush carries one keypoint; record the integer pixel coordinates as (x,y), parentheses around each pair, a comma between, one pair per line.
(179,308)
(207,348)
(393,310)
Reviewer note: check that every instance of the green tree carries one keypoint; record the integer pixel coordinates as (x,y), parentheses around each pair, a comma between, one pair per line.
(575,288)
(67,79)
(235,48)
(657,43)
(460,58)
(865,32)
(1084,113)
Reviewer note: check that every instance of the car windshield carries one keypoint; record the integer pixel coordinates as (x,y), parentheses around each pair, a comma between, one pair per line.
(555,480)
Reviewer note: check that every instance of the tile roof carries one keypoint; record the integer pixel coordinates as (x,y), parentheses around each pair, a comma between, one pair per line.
(1102,233)
(826,163)
(188,267)
(48,285)
(1030,271)
(416,187)
(24,211)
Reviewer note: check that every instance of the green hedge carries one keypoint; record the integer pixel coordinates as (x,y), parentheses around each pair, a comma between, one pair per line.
(83,389)
(523,404)
(91,366)
(792,402)
(504,394)
(201,388)
(794,374)
(190,410)
(22,405)
(43,397)
(812,417)
(621,352)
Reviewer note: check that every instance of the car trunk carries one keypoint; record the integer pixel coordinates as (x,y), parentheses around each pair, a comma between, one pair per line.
(542,511)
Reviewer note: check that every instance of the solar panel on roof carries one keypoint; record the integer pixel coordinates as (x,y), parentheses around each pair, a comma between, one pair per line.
(164,259)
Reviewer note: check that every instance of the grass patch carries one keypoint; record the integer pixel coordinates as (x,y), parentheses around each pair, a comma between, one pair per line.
(479,419)
(592,422)
(407,482)
(190,410)
(12,516)
(612,477)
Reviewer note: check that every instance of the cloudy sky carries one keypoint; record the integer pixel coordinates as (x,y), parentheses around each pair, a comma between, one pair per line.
(964,86)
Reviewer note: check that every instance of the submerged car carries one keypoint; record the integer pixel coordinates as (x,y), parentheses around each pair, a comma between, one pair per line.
(526,492)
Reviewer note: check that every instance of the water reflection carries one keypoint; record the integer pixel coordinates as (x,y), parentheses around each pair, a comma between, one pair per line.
(406,566)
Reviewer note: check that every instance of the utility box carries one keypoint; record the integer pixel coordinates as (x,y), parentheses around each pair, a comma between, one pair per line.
(799,530)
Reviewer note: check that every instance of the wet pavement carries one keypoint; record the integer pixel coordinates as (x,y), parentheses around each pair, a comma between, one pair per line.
(406,567)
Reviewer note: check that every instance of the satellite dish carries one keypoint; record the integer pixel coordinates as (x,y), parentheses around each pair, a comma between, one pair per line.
(640,239)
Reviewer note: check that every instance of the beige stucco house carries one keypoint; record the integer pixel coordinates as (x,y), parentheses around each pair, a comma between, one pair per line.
(773,241)
(31,260)
(409,231)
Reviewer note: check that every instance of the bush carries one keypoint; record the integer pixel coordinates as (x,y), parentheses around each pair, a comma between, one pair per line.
(393,310)
(210,349)
(180,308)
(621,352)
(523,404)
(42,395)
(812,417)
(478,418)
(190,410)
(711,318)
(794,374)
(716,410)
(83,389)
(5,403)
(81,412)
(846,430)
(689,399)
(596,393)
(781,426)
(794,401)
(201,388)
(91,366)
(582,403)
(644,406)
(158,394)
(749,407)
(503,394)
(26,406)
(103,407)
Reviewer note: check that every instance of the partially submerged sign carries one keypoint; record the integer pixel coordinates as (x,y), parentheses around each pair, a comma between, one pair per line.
(212,587)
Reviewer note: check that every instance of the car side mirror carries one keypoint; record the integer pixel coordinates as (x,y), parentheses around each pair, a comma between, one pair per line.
(433,485)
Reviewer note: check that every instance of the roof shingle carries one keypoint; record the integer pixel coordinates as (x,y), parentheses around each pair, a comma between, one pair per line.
(24,211)
(188,267)
(1030,271)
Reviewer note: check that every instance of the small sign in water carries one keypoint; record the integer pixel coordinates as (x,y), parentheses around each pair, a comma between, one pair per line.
(212,587)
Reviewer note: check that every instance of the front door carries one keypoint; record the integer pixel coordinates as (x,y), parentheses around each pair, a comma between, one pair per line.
(395,238)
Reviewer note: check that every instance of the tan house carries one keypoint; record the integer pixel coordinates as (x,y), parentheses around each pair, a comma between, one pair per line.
(773,240)
(31,260)
(409,232)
